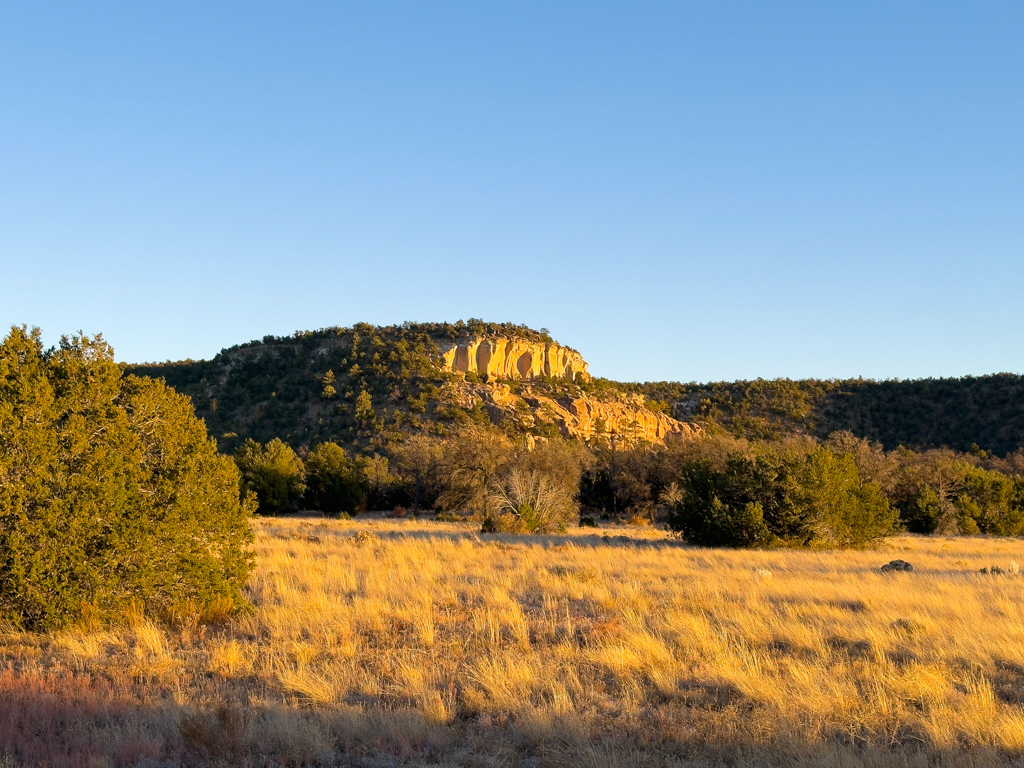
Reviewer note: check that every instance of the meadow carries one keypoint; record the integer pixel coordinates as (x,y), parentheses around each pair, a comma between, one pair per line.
(391,641)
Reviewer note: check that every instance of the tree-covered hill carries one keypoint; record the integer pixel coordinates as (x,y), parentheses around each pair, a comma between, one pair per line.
(983,411)
(365,385)
(358,386)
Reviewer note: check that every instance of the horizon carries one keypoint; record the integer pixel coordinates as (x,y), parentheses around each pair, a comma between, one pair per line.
(569,346)
(682,192)
(51,342)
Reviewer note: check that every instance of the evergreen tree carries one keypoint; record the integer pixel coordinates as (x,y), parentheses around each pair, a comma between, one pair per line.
(273,473)
(112,493)
(332,483)
(813,498)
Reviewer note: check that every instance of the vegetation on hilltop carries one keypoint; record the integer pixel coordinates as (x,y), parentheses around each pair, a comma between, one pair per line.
(359,386)
(350,385)
(974,411)
(365,386)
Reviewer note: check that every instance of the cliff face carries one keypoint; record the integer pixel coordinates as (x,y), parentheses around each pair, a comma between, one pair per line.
(509,358)
(579,416)
(535,404)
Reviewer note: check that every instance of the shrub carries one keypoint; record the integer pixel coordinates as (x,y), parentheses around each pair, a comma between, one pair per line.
(811,498)
(993,502)
(112,494)
(965,499)
(718,508)
(529,502)
(332,484)
(563,461)
(931,512)
(418,460)
(922,513)
(272,473)
(833,505)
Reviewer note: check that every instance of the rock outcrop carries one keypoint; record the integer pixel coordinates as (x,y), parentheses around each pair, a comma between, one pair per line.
(584,417)
(534,402)
(897,565)
(509,358)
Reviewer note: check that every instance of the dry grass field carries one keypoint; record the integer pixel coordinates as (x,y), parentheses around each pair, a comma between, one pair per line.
(387,642)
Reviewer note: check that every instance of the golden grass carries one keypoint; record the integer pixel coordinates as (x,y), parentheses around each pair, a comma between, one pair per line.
(429,643)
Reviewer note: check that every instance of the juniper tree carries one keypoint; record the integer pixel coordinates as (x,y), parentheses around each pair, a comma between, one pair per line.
(111,492)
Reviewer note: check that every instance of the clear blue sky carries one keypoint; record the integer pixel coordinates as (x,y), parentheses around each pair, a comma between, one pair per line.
(688,191)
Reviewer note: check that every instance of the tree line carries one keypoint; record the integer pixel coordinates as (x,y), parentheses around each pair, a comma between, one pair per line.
(715,489)
(474,470)
(987,411)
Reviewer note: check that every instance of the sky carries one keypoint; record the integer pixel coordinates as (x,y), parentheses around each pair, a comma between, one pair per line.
(680,191)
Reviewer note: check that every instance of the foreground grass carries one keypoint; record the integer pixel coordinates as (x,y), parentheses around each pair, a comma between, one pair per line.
(387,642)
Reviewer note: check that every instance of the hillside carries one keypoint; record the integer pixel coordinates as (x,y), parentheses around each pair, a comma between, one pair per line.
(366,385)
(985,412)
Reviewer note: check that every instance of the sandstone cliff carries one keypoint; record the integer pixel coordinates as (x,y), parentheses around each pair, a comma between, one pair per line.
(510,358)
(577,416)
(534,403)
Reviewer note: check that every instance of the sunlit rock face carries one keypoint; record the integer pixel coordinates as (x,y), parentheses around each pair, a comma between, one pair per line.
(587,418)
(504,358)
(584,417)
(612,416)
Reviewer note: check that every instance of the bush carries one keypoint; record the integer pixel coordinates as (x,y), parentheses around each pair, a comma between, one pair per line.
(470,462)
(529,502)
(834,507)
(993,502)
(272,473)
(418,460)
(332,484)
(812,498)
(945,494)
(113,496)
(718,508)
(930,512)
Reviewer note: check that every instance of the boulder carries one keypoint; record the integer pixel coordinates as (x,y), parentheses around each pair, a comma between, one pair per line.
(897,565)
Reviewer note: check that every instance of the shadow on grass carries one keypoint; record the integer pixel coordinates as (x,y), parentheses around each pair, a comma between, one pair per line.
(65,720)
(518,539)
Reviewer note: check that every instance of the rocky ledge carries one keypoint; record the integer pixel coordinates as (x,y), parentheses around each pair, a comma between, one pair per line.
(626,418)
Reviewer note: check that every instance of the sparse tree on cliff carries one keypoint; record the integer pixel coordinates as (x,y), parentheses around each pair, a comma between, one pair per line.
(364,407)
(328,392)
